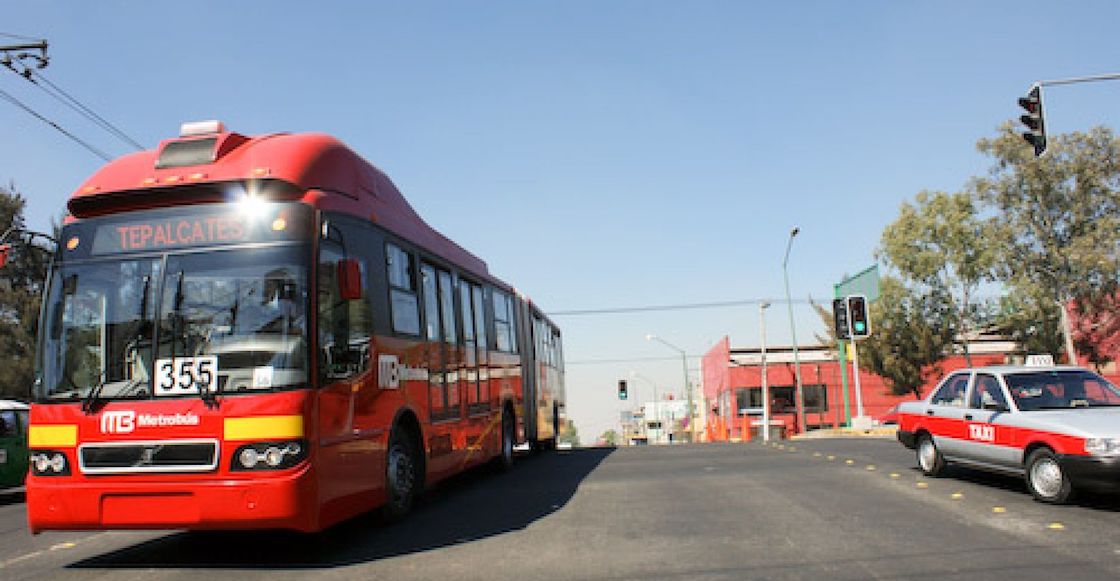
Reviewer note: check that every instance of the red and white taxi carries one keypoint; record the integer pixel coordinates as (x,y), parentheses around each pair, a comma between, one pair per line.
(1057,426)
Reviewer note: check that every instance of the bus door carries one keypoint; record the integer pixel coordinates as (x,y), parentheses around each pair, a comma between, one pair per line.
(474,361)
(443,364)
(344,328)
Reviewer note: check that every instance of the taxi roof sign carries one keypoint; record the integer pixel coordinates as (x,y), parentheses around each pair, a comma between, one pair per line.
(1040,361)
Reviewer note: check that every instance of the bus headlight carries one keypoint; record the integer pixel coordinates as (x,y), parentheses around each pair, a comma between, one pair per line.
(49,463)
(1103,446)
(269,455)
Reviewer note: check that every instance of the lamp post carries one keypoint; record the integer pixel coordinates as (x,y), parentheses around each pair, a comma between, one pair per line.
(765,386)
(656,399)
(799,396)
(688,390)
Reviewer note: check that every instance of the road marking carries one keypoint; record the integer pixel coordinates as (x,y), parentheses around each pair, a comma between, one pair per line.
(895,476)
(831,458)
(849,461)
(20,558)
(956,496)
(922,485)
(63,546)
(870,467)
(792,449)
(999,509)
(33,554)
(816,454)
(1056,526)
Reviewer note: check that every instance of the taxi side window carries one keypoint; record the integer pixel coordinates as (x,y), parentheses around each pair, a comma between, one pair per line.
(987,394)
(952,391)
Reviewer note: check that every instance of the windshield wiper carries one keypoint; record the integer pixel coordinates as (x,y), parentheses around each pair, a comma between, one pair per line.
(91,399)
(208,398)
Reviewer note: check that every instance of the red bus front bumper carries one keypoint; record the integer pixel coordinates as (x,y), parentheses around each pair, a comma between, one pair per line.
(287,501)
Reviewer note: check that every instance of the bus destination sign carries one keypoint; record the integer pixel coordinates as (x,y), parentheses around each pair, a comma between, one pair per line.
(160,234)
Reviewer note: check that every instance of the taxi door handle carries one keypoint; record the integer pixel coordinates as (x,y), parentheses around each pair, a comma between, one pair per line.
(968,416)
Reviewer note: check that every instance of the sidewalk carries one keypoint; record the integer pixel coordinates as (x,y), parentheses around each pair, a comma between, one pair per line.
(887,432)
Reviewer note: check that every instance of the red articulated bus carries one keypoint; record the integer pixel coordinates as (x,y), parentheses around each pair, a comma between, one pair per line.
(260,332)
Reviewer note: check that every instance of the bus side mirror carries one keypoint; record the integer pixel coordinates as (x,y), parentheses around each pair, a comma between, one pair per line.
(4,250)
(349,279)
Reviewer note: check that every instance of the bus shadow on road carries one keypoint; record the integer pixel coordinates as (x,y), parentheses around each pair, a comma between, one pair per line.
(469,507)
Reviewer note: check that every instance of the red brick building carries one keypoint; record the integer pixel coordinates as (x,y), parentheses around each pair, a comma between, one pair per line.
(732,385)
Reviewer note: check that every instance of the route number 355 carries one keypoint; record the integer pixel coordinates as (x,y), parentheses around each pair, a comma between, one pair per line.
(186,375)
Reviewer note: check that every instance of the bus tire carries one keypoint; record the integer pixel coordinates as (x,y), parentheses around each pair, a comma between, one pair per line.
(504,461)
(402,474)
(1045,478)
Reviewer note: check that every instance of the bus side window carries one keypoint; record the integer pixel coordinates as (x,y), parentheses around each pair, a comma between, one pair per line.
(345,326)
(404,307)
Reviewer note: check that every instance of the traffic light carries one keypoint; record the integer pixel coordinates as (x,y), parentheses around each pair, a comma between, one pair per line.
(858,321)
(1036,133)
(622,389)
(840,318)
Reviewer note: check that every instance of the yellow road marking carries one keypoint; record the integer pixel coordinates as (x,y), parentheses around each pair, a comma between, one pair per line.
(895,476)
(922,485)
(849,462)
(956,496)
(870,467)
(1056,526)
(831,458)
(999,509)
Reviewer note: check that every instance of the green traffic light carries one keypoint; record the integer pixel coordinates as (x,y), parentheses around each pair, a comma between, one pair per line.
(860,327)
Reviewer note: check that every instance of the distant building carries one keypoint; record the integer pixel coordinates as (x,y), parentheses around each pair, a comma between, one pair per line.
(732,385)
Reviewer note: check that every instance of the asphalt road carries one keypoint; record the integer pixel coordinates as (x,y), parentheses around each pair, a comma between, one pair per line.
(835,509)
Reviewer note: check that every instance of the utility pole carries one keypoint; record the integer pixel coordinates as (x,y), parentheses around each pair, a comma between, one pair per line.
(14,55)
(765,386)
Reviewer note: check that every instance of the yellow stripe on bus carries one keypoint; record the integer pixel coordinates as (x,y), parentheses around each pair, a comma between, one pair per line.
(59,436)
(264,428)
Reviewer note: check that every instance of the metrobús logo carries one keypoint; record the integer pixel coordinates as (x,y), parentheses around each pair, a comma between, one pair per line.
(124,422)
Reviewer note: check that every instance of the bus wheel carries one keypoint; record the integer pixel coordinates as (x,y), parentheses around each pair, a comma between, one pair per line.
(400,475)
(1045,478)
(505,459)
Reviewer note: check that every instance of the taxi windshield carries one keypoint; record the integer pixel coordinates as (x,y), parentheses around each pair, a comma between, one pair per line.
(1061,389)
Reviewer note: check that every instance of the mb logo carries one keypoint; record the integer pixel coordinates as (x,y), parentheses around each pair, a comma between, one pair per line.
(388,372)
(118,422)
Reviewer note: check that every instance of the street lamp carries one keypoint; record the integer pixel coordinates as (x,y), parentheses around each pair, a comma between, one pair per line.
(765,386)
(636,375)
(684,363)
(793,333)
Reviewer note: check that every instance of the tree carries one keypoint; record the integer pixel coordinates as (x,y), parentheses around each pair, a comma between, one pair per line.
(21,287)
(609,438)
(941,244)
(913,331)
(569,434)
(1058,228)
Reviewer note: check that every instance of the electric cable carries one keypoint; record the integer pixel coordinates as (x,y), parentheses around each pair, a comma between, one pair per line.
(4,95)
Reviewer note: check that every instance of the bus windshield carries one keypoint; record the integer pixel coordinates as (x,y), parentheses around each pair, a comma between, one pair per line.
(218,321)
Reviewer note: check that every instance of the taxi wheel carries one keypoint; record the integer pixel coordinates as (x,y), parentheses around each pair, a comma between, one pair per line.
(1045,478)
(930,459)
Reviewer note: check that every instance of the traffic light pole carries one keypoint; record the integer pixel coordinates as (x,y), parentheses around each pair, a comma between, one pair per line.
(1073,80)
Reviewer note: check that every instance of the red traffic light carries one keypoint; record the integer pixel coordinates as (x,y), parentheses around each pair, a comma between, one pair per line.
(5,249)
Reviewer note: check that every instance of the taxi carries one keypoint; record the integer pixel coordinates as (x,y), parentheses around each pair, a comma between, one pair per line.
(1056,426)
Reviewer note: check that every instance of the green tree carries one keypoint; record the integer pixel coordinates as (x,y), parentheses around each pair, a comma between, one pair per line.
(912,332)
(942,245)
(21,287)
(1058,226)
(609,437)
(569,434)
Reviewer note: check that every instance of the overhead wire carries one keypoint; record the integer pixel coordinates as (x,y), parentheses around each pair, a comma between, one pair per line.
(674,307)
(70,101)
(7,97)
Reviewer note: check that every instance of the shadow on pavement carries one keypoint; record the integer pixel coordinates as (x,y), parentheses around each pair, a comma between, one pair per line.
(471,506)
(11,496)
(1087,498)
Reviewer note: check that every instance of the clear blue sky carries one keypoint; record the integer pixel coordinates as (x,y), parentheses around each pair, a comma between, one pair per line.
(595,153)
